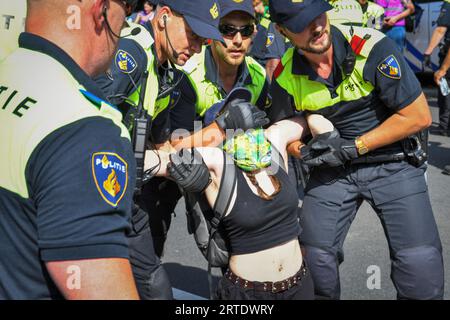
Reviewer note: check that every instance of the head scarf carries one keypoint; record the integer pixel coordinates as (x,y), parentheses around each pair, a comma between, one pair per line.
(250,151)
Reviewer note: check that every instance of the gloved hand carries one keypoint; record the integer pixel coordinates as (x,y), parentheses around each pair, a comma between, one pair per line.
(329,151)
(240,114)
(426,61)
(189,170)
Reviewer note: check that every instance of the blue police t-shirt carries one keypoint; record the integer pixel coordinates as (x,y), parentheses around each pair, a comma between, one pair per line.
(79,179)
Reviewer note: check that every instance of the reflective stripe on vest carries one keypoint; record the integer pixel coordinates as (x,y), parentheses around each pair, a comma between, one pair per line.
(151,104)
(265,22)
(312,95)
(55,108)
(208,93)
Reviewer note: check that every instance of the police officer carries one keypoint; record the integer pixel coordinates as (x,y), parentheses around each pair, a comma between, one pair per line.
(12,23)
(442,31)
(358,80)
(210,77)
(372,14)
(268,45)
(68,168)
(142,75)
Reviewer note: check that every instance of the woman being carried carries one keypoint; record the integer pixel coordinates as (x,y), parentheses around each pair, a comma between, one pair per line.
(262,221)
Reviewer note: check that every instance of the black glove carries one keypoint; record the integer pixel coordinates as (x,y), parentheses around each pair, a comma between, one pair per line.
(240,114)
(189,170)
(426,61)
(328,151)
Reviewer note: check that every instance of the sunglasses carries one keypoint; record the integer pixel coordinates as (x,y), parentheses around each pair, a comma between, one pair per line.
(229,30)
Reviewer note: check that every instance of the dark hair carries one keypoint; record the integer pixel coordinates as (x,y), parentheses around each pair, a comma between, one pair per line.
(275,181)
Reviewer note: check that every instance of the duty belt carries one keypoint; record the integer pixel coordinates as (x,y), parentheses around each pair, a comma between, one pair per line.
(273,287)
(377,158)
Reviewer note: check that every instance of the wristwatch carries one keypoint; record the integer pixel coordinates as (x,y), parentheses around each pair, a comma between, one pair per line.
(361,146)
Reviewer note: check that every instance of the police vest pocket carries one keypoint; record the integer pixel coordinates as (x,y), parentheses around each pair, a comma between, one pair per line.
(398,189)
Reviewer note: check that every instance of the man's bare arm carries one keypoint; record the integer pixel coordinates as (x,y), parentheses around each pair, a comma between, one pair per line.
(211,136)
(402,124)
(94,279)
(284,132)
(442,69)
(437,36)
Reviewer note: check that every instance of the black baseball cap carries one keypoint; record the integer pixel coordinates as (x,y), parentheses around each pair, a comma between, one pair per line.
(296,15)
(202,16)
(215,109)
(227,6)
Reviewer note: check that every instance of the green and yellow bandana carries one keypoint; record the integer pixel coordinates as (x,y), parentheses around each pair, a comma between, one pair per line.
(250,151)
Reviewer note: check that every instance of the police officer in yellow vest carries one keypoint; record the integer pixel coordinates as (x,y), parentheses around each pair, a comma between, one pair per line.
(358,80)
(142,73)
(209,77)
(68,168)
(372,14)
(441,33)
(12,23)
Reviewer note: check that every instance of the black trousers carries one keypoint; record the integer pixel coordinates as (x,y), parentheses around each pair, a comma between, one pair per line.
(444,102)
(227,290)
(159,198)
(398,193)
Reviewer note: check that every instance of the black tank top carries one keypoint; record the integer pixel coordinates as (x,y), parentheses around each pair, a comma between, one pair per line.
(255,224)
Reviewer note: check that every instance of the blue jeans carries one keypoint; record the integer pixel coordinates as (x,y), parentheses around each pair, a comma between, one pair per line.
(398,34)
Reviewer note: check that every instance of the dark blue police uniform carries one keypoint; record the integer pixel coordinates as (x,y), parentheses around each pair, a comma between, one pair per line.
(162,195)
(183,113)
(395,189)
(268,42)
(123,85)
(444,101)
(66,186)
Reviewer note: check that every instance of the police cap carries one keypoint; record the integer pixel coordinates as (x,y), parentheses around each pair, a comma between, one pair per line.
(202,16)
(227,6)
(296,15)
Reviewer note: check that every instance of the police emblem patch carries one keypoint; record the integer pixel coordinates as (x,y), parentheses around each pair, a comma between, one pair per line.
(390,68)
(125,62)
(110,174)
(214,11)
(270,39)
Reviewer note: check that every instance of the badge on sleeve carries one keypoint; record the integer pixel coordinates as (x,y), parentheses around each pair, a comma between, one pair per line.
(390,68)
(125,62)
(110,174)
(270,39)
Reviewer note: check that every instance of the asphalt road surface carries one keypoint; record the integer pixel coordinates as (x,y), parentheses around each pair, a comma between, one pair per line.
(366,251)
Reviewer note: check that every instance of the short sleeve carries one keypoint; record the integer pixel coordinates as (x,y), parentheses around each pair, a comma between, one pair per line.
(125,72)
(444,16)
(81,178)
(275,43)
(395,83)
(268,44)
